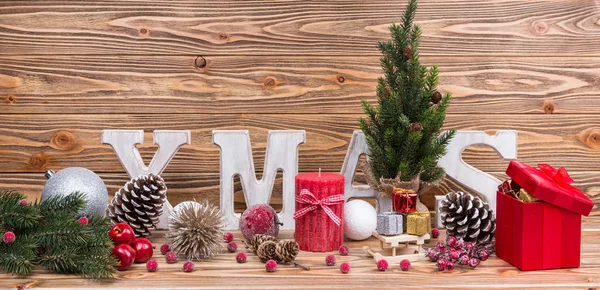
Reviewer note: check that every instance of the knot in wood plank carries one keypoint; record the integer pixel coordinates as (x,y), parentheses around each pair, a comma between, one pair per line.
(590,137)
(10,99)
(200,62)
(549,107)
(63,140)
(540,27)
(341,79)
(270,82)
(38,161)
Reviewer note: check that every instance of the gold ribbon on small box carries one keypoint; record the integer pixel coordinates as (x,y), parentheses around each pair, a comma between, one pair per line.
(418,223)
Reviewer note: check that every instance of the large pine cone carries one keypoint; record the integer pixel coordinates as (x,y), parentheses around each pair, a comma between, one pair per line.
(139,203)
(267,251)
(468,217)
(258,239)
(287,250)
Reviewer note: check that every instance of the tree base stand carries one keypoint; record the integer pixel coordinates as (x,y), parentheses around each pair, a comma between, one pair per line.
(395,242)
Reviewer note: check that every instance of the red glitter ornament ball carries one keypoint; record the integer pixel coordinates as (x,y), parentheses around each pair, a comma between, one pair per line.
(382,265)
(330,260)
(171,258)
(405,265)
(345,268)
(232,247)
(228,237)
(188,266)
(259,219)
(83,220)
(435,233)
(241,257)
(164,249)
(271,266)
(344,250)
(151,265)
(9,237)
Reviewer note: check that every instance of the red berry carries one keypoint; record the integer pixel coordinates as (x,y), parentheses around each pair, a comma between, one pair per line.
(164,249)
(344,250)
(23,202)
(463,260)
(435,233)
(451,241)
(405,265)
(83,220)
(460,243)
(228,237)
(469,246)
(345,267)
(241,257)
(454,254)
(171,258)
(188,266)
(232,247)
(483,255)
(9,237)
(271,266)
(151,265)
(449,266)
(441,264)
(330,260)
(382,265)
(473,262)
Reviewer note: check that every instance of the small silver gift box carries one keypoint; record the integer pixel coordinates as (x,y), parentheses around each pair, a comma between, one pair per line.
(390,223)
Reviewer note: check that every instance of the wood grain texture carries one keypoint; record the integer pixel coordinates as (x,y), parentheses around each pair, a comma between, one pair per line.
(35,143)
(223,272)
(342,27)
(279,84)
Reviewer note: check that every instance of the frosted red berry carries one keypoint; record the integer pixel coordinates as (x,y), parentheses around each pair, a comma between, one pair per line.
(171,258)
(345,268)
(483,255)
(459,244)
(473,262)
(451,241)
(151,265)
(232,247)
(454,254)
(330,260)
(241,257)
(469,246)
(271,266)
(463,260)
(188,266)
(344,250)
(449,266)
(83,220)
(9,237)
(435,233)
(228,237)
(164,249)
(405,265)
(382,265)
(23,202)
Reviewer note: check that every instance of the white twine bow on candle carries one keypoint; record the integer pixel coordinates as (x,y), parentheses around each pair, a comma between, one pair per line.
(307,197)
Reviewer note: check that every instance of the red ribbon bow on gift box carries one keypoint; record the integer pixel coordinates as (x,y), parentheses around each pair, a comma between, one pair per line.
(560,175)
(307,197)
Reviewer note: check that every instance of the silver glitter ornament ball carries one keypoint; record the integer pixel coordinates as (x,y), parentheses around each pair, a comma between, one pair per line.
(73,179)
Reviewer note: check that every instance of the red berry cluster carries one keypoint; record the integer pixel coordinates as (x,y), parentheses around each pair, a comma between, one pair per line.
(456,251)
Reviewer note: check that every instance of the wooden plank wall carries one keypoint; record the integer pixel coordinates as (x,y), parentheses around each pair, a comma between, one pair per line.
(70,68)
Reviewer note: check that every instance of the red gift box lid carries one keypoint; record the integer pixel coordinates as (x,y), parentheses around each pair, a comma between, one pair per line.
(545,187)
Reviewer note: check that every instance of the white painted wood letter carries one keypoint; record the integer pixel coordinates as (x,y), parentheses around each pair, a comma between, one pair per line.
(357,147)
(168,141)
(236,159)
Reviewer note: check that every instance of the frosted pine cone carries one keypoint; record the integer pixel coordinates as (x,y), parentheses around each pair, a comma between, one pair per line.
(467,217)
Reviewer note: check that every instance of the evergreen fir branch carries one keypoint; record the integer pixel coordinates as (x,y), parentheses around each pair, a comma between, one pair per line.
(13,214)
(73,202)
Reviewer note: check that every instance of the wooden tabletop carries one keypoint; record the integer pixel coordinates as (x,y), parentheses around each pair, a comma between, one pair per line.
(223,272)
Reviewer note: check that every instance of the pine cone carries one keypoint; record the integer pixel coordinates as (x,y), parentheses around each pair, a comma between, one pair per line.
(436,97)
(267,251)
(468,218)
(408,52)
(415,127)
(287,250)
(258,239)
(139,203)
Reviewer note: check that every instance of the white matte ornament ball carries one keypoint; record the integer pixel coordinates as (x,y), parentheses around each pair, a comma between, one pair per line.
(360,219)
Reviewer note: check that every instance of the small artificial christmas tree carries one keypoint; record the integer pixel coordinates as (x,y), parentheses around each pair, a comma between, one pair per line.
(403,132)
(51,234)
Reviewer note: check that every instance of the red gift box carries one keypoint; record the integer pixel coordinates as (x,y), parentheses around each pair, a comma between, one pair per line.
(404,201)
(319,211)
(544,234)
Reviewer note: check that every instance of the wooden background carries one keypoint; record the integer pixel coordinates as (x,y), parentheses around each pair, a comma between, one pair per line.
(70,68)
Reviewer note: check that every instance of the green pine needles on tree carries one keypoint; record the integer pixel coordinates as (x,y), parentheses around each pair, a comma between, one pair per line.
(49,234)
(403,131)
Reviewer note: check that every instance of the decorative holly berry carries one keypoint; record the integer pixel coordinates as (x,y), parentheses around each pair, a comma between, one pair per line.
(241,257)
(164,249)
(23,202)
(345,268)
(451,241)
(463,260)
(9,237)
(344,250)
(460,243)
(449,266)
(188,266)
(228,237)
(405,265)
(454,254)
(271,266)
(435,233)
(473,262)
(441,265)
(469,246)
(382,265)
(171,258)
(232,247)
(330,260)
(483,255)
(151,265)
(83,220)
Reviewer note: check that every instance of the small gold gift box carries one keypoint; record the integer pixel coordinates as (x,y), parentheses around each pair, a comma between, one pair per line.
(418,223)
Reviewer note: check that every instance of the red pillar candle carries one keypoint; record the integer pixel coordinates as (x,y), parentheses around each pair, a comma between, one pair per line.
(319,211)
